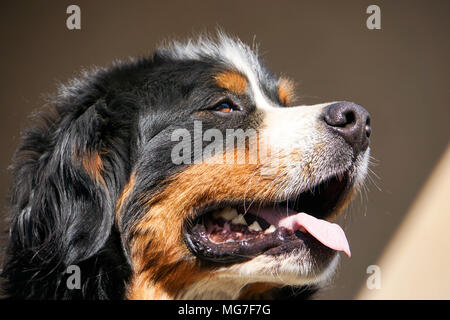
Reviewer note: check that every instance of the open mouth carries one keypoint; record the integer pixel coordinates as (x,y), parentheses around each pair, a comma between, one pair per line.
(236,231)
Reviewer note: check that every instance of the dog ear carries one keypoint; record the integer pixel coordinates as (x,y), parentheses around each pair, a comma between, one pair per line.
(67,175)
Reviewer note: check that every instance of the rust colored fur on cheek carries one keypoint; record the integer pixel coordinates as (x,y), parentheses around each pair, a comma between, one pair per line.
(144,286)
(232,81)
(93,164)
(158,253)
(286,89)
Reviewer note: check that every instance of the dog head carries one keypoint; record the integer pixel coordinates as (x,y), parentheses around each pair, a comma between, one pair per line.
(195,166)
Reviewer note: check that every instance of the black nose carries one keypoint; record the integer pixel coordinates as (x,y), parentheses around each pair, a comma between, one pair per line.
(350,121)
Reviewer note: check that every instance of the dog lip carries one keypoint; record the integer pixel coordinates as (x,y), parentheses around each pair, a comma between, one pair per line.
(233,252)
(279,241)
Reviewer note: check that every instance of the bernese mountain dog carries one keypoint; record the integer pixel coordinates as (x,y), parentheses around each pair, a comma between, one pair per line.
(188,174)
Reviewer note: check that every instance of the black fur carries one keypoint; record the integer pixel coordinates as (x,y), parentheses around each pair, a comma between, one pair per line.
(60,215)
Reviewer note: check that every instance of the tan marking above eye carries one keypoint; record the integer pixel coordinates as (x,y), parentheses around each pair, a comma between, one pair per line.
(286,88)
(232,81)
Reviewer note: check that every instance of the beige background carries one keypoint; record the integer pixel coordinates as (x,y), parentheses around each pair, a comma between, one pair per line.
(400,74)
(408,268)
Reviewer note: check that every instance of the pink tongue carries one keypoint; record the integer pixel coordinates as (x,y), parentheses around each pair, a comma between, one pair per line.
(329,234)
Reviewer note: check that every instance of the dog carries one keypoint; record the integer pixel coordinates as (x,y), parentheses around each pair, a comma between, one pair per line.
(118,178)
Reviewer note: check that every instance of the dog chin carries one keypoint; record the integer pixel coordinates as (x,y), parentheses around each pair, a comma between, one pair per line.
(293,269)
(297,269)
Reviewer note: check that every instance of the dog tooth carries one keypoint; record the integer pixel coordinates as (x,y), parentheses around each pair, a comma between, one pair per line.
(339,176)
(239,219)
(270,229)
(228,213)
(255,226)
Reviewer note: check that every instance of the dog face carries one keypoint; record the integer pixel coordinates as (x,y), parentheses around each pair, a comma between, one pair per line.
(198,232)
(215,184)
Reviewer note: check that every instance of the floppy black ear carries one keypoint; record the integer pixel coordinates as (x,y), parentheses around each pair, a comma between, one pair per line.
(67,175)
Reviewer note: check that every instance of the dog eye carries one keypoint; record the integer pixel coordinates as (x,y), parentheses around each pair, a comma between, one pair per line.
(225,107)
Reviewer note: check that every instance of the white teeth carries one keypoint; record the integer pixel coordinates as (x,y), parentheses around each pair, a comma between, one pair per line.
(270,229)
(239,219)
(340,176)
(255,226)
(227,214)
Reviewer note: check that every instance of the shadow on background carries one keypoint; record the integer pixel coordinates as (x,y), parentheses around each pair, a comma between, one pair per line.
(399,73)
